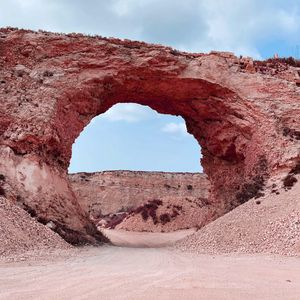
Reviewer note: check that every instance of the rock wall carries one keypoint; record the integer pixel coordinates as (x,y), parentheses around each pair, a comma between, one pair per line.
(110,191)
(115,195)
(45,194)
(244,114)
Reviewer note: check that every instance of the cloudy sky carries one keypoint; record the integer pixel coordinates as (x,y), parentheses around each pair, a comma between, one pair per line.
(137,137)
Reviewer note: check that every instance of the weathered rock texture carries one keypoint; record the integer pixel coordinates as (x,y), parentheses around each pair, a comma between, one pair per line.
(20,233)
(114,195)
(270,224)
(244,114)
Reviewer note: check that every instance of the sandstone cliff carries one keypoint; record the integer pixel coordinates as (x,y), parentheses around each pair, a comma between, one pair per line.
(123,196)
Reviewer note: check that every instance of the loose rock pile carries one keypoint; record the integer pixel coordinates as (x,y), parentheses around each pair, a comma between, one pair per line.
(272,226)
(19,232)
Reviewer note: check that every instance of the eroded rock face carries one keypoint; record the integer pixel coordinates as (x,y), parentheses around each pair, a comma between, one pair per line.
(123,199)
(244,114)
(45,193)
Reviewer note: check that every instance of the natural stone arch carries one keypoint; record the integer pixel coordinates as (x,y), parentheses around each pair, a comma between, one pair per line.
(243,114)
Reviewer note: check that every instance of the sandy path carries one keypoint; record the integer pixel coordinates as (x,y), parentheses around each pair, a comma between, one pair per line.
(125,238)
(147,273)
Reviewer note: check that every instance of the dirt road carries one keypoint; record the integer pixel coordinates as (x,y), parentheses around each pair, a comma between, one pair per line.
(147,273)
(134,239)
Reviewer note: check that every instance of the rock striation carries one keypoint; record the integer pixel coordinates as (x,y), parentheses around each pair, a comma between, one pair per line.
(244,114)
(143,201)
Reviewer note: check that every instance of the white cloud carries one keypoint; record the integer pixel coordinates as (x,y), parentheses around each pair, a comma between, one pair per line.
(175,128)
(191,25)
(129,112)
(242,26)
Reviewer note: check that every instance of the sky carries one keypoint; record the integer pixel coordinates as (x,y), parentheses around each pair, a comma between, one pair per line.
(135,137)
(131,136)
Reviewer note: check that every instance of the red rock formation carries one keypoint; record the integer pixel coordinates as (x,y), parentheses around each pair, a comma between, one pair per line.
(244,114)
(113,195)
(110,191)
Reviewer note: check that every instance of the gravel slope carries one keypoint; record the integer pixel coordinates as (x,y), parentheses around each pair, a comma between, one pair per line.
(273,226)
(20,233)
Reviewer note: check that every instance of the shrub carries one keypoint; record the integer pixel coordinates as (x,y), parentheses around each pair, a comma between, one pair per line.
(175,213)
(296,169)
(292,133)
(289,181)
(145,215)
(152,213)
(116,220)
(250,190)
(164,218)
(30,210)
(175,52)
(2,191)
(149,210)
(285,60)
(259,194)
(157,202)
(48,73)
(178,207)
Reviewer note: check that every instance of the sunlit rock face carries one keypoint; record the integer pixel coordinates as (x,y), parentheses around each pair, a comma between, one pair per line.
(143,201)
(244,114)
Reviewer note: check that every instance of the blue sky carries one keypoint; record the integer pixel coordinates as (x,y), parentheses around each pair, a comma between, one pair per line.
(134,137)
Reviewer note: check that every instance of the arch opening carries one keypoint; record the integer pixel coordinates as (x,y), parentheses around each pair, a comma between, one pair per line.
(135,169)
(214,115)
(135,137)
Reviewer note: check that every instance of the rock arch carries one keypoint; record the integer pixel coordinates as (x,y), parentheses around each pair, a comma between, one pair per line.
(244,114)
